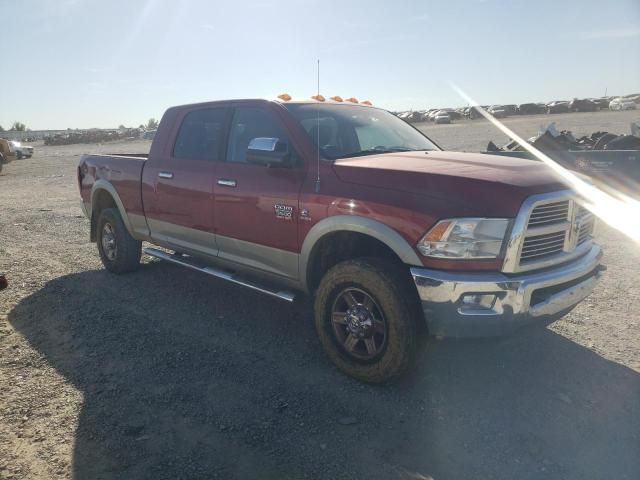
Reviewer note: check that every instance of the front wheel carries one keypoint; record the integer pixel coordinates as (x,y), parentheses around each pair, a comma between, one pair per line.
(366,319)
(119,251)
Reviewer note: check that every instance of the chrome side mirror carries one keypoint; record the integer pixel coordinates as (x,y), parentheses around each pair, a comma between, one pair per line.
(263,144)
(267,151)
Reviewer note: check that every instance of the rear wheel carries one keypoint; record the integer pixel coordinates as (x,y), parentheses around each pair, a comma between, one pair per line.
(366,320)
(119,251)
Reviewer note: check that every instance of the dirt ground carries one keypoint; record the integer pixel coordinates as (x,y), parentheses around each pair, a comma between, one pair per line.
(166,373)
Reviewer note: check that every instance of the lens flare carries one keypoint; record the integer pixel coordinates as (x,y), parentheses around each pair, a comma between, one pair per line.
(615,209)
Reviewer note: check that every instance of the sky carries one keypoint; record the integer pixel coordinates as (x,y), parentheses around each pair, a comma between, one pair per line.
(99,63)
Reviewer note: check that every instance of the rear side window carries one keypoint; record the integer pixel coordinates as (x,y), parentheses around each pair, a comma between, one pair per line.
(201,135)
(249,123)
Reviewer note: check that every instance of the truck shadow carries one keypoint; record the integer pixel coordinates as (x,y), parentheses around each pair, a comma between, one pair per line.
(184,376)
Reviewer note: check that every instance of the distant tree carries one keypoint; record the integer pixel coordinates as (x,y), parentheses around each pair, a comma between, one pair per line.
(122,127)
(1,129)
(152,124)
(18,127)
(141,126)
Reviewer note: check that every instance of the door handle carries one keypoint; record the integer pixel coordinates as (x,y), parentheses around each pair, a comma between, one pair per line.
(225,182)
(165,174)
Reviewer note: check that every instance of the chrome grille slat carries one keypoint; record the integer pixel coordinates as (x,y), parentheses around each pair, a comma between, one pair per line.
(548,220)
(557,247)
(541,213)
(535,258)
(551,206)
(535,241)
(549,213)
(541,243)
(537,251)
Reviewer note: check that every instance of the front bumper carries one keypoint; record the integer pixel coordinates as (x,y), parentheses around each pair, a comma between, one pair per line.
(491,303)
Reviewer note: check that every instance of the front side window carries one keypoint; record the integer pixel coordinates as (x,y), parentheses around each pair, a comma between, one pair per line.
(249,123)
(343,131)
(201,134)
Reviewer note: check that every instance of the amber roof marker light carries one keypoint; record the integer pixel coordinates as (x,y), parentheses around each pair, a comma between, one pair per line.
(337,98)
(366,102)
(284,97)
(351,100)
(318,98)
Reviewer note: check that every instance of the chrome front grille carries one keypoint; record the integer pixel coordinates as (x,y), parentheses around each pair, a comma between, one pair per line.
(551,228)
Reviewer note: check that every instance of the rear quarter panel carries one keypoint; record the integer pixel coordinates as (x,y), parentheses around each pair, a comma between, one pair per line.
(122,172)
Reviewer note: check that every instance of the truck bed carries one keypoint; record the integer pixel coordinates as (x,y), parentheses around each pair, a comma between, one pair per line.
(122,171)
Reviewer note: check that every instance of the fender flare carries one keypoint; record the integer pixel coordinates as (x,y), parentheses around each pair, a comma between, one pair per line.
(109,188)
(354,223)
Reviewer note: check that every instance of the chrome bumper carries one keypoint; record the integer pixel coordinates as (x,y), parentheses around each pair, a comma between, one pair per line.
(491,303)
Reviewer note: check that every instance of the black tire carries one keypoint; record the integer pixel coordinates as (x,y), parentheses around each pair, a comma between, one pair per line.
(390,288)
(126,255)
(19,155)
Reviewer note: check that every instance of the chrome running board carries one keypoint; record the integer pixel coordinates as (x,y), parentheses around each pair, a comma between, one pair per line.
(188,262)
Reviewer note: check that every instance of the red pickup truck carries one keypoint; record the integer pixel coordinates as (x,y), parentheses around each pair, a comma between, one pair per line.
(351,205)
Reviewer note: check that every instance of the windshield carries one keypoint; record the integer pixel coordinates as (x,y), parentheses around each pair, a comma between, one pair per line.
(350,130)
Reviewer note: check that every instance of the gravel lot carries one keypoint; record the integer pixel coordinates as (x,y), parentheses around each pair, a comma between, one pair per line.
(166,373)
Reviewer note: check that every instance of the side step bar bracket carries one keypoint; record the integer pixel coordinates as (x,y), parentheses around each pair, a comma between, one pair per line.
(185,261)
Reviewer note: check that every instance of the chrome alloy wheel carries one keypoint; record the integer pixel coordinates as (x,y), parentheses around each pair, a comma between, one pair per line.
(358,324)
(109,246)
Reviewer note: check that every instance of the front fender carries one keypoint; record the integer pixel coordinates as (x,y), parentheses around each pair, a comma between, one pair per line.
(354,223)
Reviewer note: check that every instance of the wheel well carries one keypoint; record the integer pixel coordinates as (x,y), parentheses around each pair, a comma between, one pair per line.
(337,247)
(101,200)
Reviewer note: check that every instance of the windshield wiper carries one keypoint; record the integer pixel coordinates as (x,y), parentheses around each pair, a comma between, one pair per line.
(376,151)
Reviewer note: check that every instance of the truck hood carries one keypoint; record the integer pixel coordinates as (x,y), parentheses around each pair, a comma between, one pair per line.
(492,182)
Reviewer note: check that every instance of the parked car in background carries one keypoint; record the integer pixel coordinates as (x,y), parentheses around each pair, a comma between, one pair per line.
(602,103)
(558,106)
(529,109)
(22,151)
(634,97)
(584,105)
(622,104)
(510,109)
(497,111)
(149,134)
(453,114)
(442,117)
(472,113)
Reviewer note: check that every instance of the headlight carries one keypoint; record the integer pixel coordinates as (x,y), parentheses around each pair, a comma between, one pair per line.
(465,238)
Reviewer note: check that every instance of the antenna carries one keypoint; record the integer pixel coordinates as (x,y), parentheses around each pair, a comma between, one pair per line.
(318,139)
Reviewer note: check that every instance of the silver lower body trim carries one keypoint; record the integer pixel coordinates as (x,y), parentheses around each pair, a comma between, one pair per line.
(492,303)
(86,208)
(215,272)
